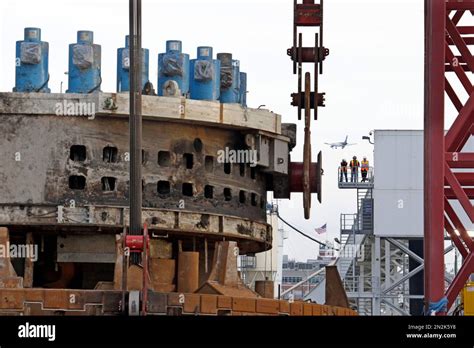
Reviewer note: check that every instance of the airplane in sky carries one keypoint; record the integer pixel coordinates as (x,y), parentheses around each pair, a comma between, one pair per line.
(342,144)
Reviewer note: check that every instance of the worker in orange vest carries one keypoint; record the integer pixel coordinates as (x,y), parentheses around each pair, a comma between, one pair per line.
(364,169)
(343,170)
(355,164)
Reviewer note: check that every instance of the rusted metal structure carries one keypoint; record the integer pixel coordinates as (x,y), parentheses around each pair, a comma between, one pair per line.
(135,120)
(448,57)
(152,223)
(68,193)
(308,14)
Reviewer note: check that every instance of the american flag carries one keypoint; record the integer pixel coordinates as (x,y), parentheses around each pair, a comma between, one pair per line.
(322,229)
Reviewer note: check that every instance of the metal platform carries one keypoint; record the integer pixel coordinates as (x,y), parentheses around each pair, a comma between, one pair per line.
(356,182)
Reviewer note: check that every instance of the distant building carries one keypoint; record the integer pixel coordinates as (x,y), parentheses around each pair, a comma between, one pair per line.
(326,253)
(295,272)
(265,265)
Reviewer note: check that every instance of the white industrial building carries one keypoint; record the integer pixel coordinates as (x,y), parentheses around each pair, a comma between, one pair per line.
(381,261)
(266,266)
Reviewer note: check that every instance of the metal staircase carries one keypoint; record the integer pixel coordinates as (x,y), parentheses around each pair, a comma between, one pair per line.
(354,230)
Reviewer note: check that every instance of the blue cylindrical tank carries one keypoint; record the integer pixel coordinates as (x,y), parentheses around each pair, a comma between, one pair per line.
(243,89)
(31,72)
(205,77)
(84,64)
(123,67)
(173,65)
(230,78)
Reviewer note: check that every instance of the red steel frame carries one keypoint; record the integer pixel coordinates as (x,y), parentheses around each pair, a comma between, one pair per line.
(447,54)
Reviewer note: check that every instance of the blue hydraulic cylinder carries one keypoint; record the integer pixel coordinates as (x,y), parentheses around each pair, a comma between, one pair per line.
(230,78)
(173,65)
(123,67)
(84,64)
(243,89)
(31,72)
(205,79)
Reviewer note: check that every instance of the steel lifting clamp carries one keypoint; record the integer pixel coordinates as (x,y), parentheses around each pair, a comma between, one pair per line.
(308,14)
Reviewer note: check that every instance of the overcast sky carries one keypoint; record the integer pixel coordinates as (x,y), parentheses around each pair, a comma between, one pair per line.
(373,77)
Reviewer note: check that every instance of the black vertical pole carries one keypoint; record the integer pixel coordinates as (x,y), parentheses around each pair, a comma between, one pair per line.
(135,188)
(416,282)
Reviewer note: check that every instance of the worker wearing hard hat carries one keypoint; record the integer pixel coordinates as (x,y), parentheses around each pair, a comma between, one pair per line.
(355,164)
(343,170)
(364,169)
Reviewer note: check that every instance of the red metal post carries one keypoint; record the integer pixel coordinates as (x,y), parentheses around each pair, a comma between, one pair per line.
(434,150)
(444,155)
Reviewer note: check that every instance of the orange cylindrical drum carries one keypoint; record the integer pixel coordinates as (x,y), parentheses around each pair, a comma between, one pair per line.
(162,274)
(265,288)
(188,271)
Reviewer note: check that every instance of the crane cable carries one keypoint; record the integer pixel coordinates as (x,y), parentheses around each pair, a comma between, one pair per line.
(304,234)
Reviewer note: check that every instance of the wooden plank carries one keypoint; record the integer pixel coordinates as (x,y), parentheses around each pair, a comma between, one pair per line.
(326,310)
(34,295)
(317,310)
(11,299)
(192,303)
(209,304)
(246,305)
(153,107)
(211,112)
(196,110)
(235,115)
(284,307)
(57,299)
(296,309)
(11,282)
(267,306)
(224,302)
(75,300)
(307,309)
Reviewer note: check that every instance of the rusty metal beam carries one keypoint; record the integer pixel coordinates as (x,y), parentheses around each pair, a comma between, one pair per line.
(461,278)
(460,160)
(452,95)
(451,214)
(435,15)
(335,292)
(458,185)
(135,186)
(456,240)
(456,5)
(465,179)
(29,264)
(460,131)
(457,16)
(462,46)
(449,193)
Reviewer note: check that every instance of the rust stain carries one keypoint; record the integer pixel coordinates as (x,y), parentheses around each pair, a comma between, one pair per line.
(244,230)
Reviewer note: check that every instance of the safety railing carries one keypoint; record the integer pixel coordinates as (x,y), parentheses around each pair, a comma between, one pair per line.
(357,178)
(349,223)
(356,224)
